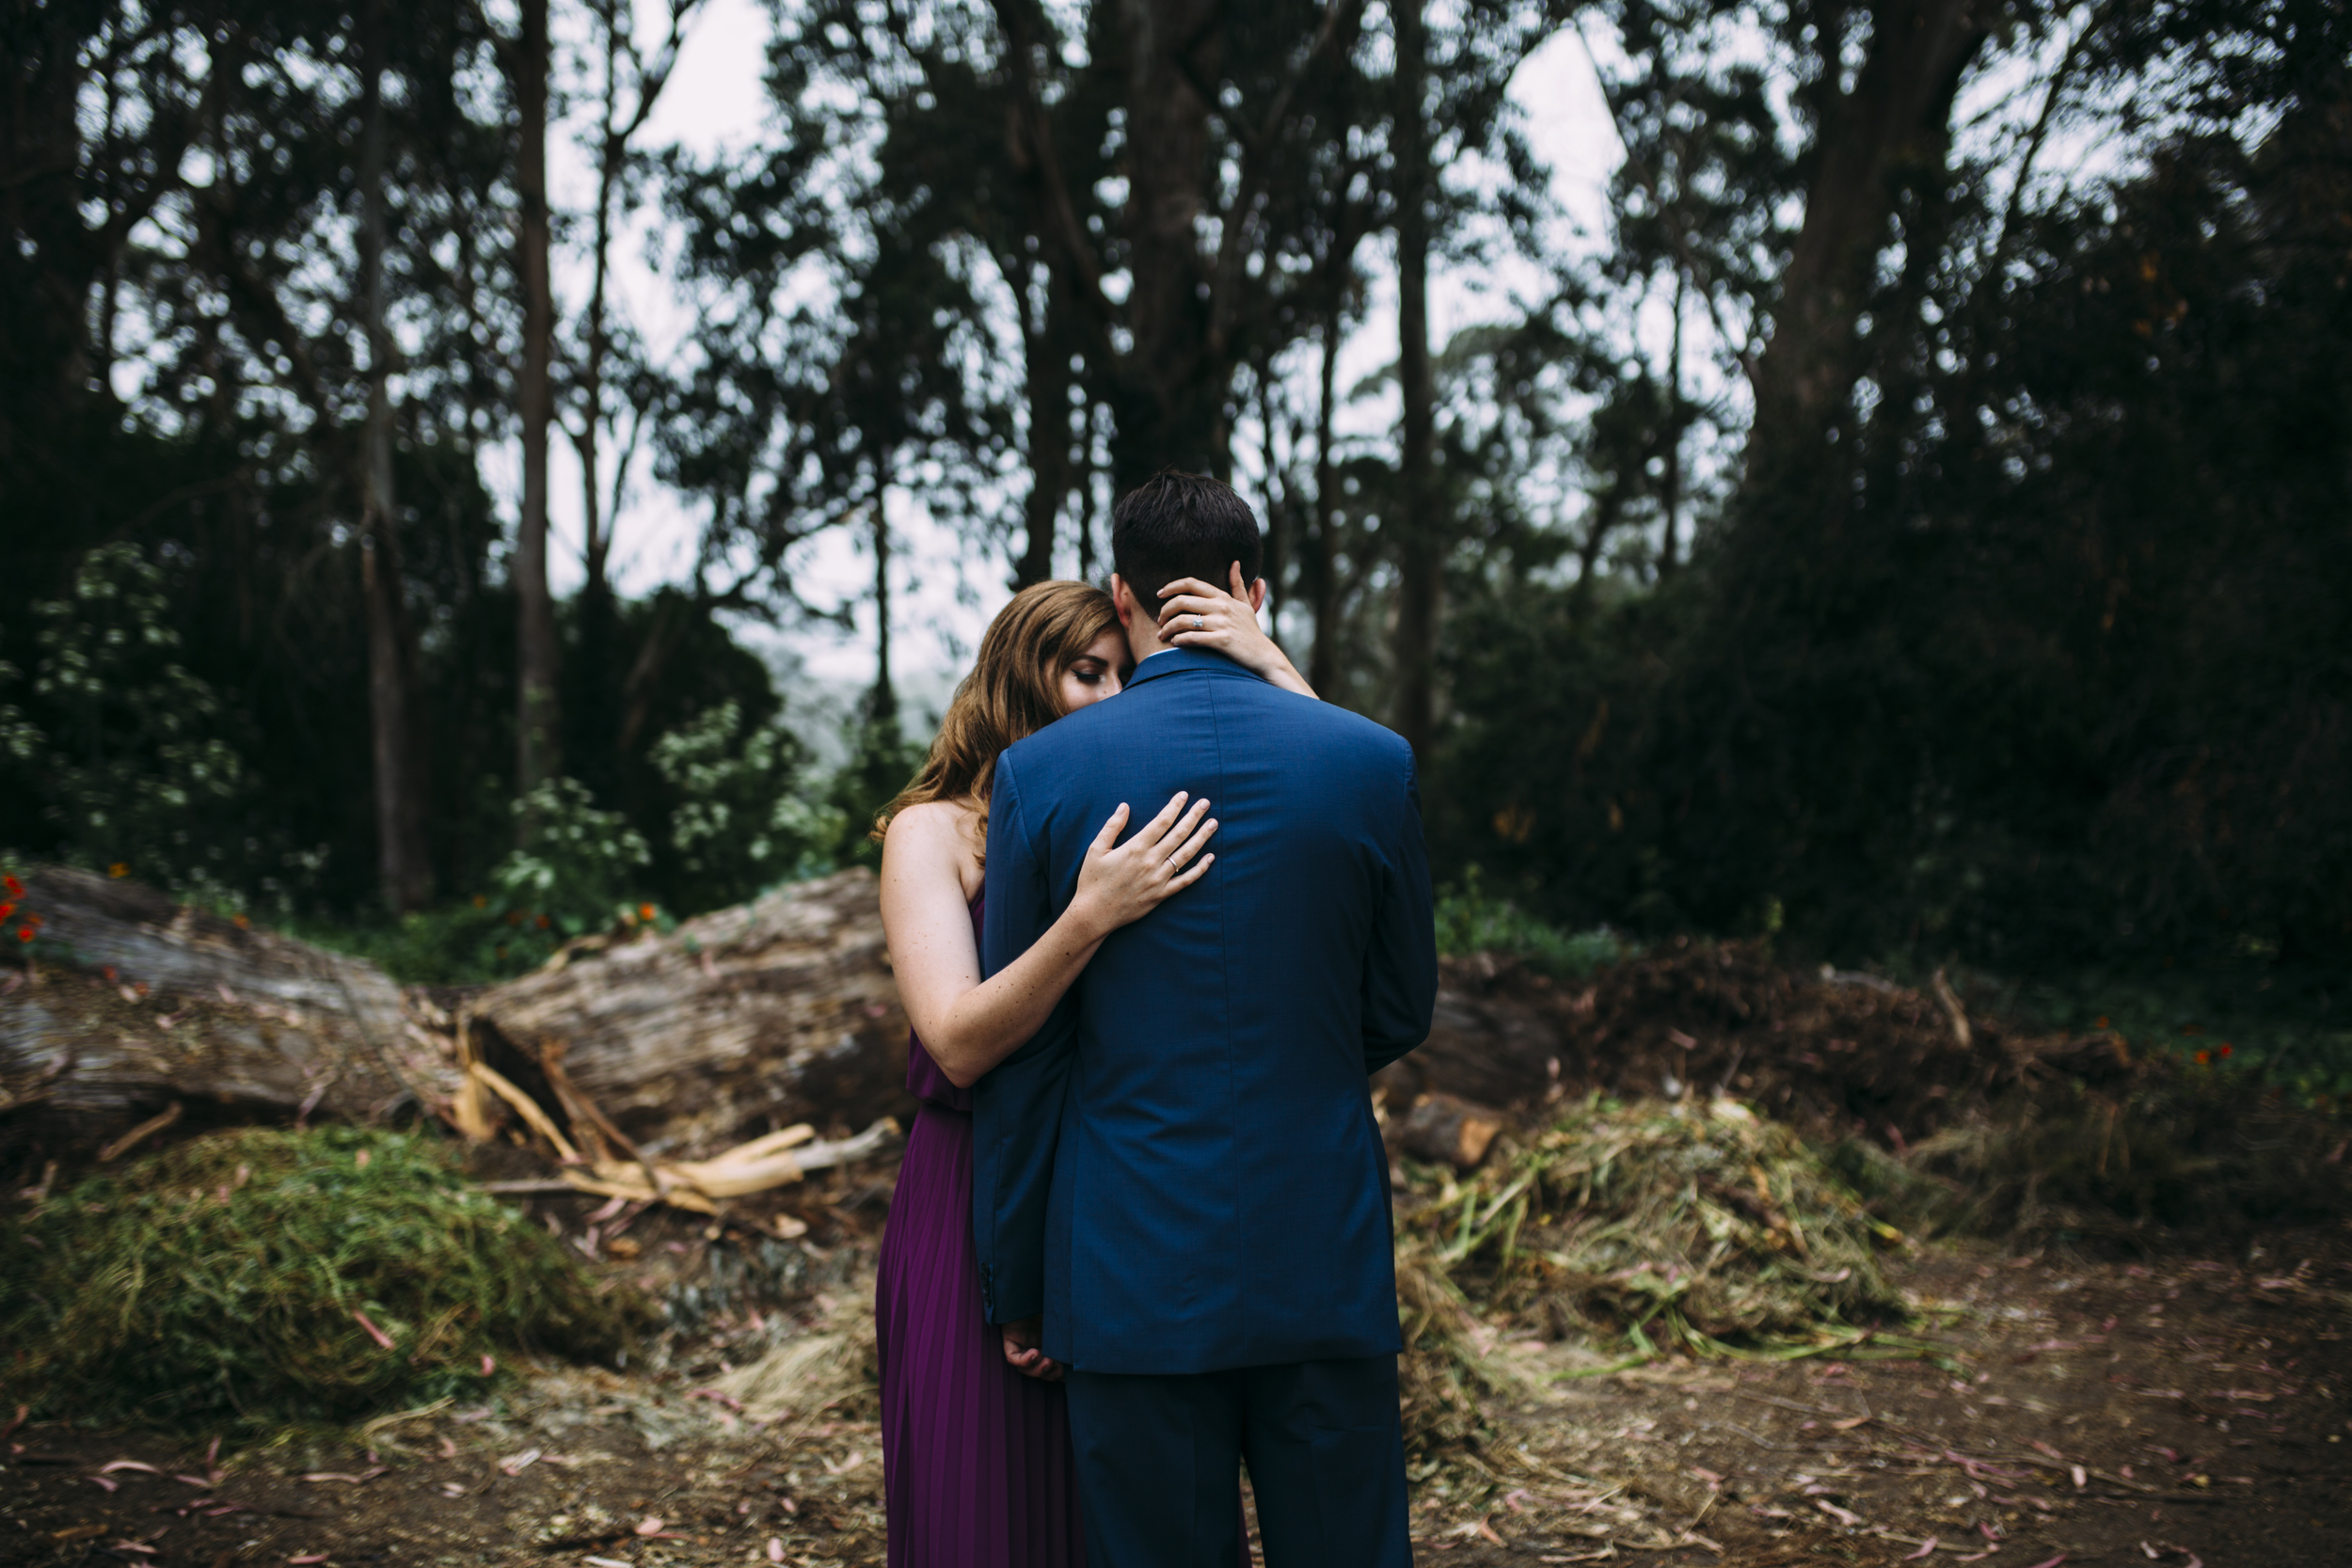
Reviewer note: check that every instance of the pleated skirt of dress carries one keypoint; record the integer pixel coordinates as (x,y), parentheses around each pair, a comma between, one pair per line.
(977,1465)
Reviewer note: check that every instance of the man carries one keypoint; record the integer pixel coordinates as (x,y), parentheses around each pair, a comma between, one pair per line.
(1181,1172)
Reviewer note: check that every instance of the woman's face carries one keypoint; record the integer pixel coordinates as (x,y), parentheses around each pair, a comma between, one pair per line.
(1094,674)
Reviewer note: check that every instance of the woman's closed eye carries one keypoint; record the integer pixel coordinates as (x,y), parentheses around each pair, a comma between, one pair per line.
(1093,674)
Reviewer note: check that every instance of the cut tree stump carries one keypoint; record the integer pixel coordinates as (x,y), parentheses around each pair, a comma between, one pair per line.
(1442,1128)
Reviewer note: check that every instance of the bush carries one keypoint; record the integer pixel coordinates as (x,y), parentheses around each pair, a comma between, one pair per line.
(259,1275)
(1471,920)
(743,823)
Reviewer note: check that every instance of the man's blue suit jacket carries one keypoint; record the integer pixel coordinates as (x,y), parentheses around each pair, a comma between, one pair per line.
(1182,1170)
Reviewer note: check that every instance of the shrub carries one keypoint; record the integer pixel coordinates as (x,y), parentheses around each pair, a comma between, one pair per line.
(272,1276)
(1471,920)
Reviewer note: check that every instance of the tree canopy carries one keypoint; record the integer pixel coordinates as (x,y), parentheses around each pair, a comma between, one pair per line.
(1917,521)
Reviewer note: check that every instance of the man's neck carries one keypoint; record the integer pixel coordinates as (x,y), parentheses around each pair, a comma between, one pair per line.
(1146,644)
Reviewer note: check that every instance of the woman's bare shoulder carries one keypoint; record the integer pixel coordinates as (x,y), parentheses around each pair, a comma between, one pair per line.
(936,838)
(938,819)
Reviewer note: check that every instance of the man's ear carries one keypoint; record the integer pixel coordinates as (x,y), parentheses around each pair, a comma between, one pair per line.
(1124,600)
(1257,594)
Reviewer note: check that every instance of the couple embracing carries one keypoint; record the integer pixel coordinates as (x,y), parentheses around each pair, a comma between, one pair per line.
(1141,1236)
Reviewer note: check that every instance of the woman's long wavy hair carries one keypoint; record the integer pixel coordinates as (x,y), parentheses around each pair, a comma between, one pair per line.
(1012,692)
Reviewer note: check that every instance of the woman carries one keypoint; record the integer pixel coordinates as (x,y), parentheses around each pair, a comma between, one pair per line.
(975,1455)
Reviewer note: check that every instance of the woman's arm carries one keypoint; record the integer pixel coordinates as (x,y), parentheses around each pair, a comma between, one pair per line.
(969,1025)
(1228,623)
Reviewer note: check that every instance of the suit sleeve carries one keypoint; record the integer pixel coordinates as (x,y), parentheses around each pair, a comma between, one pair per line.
(1399,986)
(1016,1108)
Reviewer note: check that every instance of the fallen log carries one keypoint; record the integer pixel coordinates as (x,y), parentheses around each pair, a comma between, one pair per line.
(778,1011)
(130,1003)
(1487,1044)
(641,1052)
(653,1049)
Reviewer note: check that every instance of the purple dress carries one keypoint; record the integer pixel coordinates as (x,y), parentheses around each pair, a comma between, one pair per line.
(976,1468)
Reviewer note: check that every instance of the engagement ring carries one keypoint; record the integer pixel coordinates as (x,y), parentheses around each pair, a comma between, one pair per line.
(1197,623)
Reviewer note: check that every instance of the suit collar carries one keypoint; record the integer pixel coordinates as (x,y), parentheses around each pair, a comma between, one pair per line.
(1184,661)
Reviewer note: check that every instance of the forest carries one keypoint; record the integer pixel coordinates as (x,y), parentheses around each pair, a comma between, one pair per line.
(1850,502)
(1915,529)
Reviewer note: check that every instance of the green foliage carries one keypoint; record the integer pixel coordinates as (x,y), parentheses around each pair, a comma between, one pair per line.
(2245,1017)
(2058,682)
(238,1275)
(1471,920)
(744,821)
(881,761)
(574,874)
(134,768)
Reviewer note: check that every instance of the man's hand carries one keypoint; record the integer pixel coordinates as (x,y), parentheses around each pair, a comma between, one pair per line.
(1022,1353)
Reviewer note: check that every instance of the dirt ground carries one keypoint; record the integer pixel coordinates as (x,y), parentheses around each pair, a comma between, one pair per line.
(2192,1409)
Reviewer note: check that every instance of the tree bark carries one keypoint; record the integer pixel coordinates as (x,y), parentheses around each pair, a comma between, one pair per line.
(1421,544)
(882,702)
(402,868)
(1323,659)
(1896,123)
(595,674)
(1169,397)
(537,753)
(779,1011)
(172,1005)
(1050,381)
(1670,492)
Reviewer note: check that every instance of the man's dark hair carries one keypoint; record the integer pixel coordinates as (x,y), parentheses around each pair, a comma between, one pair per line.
(1179,525)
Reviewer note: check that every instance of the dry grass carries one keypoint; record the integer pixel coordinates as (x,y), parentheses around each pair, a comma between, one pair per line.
(1638,1229)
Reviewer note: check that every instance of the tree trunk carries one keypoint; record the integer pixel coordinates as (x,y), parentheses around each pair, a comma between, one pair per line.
(537,754)
(1170,398)
(1088,472)
(1421,544)
(1896,122)
(882,702)
(1670,495)
(595,746)
(1281,501)
(1050,381)
(402,869)
(1323,659)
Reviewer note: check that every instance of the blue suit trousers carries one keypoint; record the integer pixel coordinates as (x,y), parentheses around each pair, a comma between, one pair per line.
(1157,1456)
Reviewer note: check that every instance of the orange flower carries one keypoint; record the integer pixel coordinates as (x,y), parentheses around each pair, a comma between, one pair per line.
(2203,1057)
(6,910)
(16,889)
(2225,1047)
(120,869)
(23,933)
(645,911)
